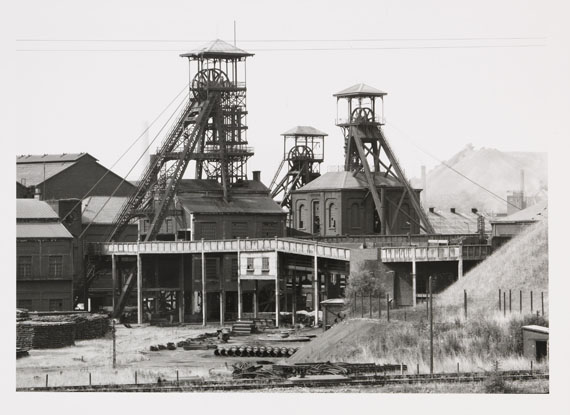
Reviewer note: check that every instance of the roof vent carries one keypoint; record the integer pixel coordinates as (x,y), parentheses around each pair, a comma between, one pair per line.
(474,210)
(431,210)
(452,210)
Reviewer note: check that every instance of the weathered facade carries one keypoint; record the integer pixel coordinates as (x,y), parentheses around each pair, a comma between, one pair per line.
(45,268)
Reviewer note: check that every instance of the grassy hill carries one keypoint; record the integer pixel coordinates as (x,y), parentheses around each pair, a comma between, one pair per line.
(475,342)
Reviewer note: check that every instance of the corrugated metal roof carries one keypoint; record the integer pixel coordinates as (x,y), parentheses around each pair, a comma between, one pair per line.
(217,48)
(92,205)
(447,222)
(304,130)
(41,231)
(535,212)
(345,180)
(537,329)
(34,173)
(50,158)
(213,188)
(243,205)
(360,89)
(34,209)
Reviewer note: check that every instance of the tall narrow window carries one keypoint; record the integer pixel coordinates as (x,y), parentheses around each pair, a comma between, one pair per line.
(355,216)
(250,265)
(55,266)
(301,218)
(265,264)
(24,267)
(332,216)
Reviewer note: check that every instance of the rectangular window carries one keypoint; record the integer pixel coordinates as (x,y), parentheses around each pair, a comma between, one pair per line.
(269,229)
(250,265)
(55,266)
(169,227)
(239,230)
(24,267)
(265,264)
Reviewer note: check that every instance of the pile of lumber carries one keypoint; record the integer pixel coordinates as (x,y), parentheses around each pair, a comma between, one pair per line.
(22,314)
(48,334)
(87,326)
(24,336)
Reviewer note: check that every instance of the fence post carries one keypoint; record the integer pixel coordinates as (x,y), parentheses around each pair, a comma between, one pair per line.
(370,301)
(510,302)
(542,301)
(89,378)
(417,368)
(405,319)
(114,345)
(355,303)
(458,368)
(465,302)
(388,306)
(531,301)
(177,378)
(136,379)
(531,366)
(361,305)
(430,328)
(379,305)
(499,299)
(520,300)
(47,377)
(504,304)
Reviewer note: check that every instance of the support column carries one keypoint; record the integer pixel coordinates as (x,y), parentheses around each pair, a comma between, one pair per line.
(383,222)
(222,303)
(316,287)
(414,292)
(139,290)
(181,287)
(255,302)
(277,301)
(204,302)
(294,299)
(239,280)
(460,263)
(114,276)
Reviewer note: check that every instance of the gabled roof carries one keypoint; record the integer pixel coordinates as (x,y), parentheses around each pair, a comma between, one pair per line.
(252,205)
(92,210)
(39,230)
(532,213)
(217,49)
(345,180)
(34,209)
(51,158)
(360,90)
(304,131)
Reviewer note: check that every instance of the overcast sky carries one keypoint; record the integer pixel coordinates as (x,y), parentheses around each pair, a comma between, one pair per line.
(488,73)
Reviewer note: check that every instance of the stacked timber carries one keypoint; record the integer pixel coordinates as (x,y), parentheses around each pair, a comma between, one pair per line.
(22,314)
(87,326)
(24,336)
(48,334)
(243,327)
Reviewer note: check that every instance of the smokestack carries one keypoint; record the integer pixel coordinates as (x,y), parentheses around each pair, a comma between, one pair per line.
(474,210)
(522,181)
(256,175)
(431,210)
(452,210)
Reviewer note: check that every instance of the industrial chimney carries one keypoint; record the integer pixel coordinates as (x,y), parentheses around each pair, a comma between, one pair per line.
(256,175)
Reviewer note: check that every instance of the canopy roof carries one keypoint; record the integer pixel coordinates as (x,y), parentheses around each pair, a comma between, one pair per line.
(217,49)
(345,180)
(360,90)
(304,131)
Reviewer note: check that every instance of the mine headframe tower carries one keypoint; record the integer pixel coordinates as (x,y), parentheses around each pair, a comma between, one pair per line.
(211,130)
(366,149)
(303,153)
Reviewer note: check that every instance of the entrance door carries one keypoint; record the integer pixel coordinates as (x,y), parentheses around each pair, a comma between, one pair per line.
(541,350)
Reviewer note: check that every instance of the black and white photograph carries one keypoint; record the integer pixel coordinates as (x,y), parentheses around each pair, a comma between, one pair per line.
(304,198)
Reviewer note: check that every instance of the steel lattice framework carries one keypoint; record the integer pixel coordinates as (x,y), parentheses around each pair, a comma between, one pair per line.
(368,151)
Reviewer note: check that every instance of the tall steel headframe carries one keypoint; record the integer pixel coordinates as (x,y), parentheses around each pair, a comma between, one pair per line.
(222,151)
(303,153)
(366,150)
(211,130)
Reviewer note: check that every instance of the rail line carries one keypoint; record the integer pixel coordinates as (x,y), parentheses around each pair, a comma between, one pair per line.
(309,382)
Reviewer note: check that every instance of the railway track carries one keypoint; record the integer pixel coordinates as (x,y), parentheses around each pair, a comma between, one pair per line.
(246,385)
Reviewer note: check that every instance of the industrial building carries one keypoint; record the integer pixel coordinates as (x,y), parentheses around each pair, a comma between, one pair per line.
(222,245)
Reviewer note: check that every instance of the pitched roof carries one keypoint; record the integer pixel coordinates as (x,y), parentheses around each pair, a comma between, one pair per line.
(34,209)
(447,222)
(50,158)
(32,174)
(532,213)
(304,131)
(47,230)
(242,205)
(360,89)
(92,210)
(217,49)
(345,180)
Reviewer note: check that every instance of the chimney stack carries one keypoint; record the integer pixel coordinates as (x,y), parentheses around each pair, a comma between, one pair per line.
(452,210)
(474,210)
(256,175)
(431,210)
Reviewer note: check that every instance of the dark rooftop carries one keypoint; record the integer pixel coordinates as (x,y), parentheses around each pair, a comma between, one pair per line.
(217,49)
(360,90)
(304,131)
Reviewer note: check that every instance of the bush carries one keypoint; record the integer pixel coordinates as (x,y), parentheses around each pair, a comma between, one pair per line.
(495,383)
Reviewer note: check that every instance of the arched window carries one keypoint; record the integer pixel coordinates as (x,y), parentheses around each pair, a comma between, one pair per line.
(332,216)
(300,214)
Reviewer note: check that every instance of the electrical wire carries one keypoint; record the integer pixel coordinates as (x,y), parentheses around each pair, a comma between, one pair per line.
(134,165)
(125,152)
(450,167)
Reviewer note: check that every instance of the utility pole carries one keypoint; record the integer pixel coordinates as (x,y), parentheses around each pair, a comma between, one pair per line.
(114,345)
(430,328)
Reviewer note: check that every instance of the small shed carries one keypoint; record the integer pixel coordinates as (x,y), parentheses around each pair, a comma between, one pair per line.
(332,311)
(535,342)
